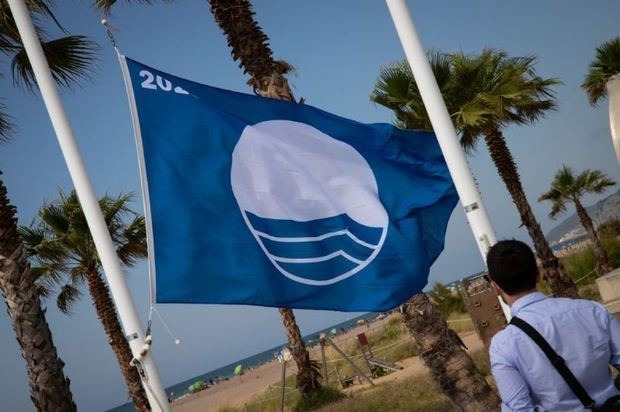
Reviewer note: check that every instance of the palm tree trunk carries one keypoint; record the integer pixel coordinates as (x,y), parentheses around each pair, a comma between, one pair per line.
(249,46)
(116,338)
(308,374)
(560,284)
(602,262)
(443,352)
(613,93)
(49,388)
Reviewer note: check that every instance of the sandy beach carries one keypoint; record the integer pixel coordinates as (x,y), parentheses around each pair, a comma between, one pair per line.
(236,392)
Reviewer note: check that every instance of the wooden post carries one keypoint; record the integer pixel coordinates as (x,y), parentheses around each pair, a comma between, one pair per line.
(366,358)
(283,384)
(370,350)
(322,343)
(339,378)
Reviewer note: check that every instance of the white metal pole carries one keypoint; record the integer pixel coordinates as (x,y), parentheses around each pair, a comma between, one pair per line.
(444,129)
(613,95)
(103,242)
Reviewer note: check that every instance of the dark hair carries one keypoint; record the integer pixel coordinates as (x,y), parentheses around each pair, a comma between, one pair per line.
(512,265)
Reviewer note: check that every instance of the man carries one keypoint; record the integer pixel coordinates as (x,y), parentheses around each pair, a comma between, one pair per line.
(580,331)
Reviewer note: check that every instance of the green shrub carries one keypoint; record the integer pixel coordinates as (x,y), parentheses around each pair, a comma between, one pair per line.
(393,330)
(318,399)
(612,246)
(446,301)
(378,371)
(579,263)
(610,228)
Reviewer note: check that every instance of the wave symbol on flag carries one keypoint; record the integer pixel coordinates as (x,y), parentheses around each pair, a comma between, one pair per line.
(310,201)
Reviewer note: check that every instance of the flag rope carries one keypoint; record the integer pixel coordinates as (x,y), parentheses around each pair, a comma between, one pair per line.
(108,31)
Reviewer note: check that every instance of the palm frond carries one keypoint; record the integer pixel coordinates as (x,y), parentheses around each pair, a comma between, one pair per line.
(53,250)
(61,245)
(115,208)
(558,202)
(71,59)
(32,237)
(46,280)
(595,181)
(605,65)
(394,85)
(55,218)
(397,90)
(133,246)
(50,270)
(42,290)
(67,297)
(6,125)
(568,187)
(78,272)
(44,7)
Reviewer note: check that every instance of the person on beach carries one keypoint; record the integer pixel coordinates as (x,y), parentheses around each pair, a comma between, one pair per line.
(580,335)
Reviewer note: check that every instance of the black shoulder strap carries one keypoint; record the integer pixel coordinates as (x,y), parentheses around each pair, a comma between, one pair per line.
(556,360)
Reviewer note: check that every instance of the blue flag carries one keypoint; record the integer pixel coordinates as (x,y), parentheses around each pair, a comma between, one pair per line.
(264,202)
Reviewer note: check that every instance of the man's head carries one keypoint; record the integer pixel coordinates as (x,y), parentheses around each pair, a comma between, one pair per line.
(512,267)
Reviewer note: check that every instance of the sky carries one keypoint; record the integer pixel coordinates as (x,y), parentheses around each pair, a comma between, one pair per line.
(337,48)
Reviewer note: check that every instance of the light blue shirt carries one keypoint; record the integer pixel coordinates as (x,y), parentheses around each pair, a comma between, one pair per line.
(581,331)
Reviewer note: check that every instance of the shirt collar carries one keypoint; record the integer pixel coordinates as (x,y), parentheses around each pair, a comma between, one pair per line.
(525,301)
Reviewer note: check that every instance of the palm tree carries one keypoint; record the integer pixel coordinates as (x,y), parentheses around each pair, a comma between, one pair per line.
(566,187)
(70,59)
(61,245)
(249,46)
(49,388)
(484,93)
(603,80)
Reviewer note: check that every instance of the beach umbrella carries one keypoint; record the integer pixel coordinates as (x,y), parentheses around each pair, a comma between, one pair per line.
(238,370)
(196,386)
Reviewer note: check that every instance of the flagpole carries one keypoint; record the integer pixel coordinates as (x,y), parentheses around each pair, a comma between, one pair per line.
(444,129)
(101,236)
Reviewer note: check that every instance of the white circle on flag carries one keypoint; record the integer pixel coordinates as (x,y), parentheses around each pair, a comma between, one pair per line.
(303,194)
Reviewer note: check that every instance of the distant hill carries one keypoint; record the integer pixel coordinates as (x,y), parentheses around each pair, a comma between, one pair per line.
(601,211)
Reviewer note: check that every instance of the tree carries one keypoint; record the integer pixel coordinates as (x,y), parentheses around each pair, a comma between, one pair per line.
(566,187)
(70,59)
(61,245)
(603,80)
(484,93)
